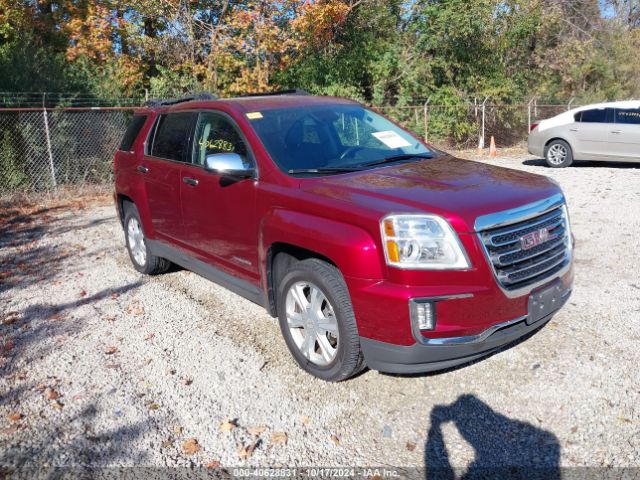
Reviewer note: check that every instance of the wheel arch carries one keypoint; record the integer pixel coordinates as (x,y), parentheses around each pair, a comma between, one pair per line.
(280,256)
(121,201)
(553,139)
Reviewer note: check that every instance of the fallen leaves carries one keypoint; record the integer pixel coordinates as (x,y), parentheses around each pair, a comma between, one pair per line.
(10,318)
(111,350)
(279,438)
(149,336)
(335,439)
(228,425)
(56,317)
(51,394)
(245,451)
(191,446)
(135,309)
(305,420)
(15,417)
(213,464)
(186,381)
(257,431)
(7,346)
(154,406)
(411,446)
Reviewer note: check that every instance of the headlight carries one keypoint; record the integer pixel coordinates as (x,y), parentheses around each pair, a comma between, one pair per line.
(565,213)
(421,242)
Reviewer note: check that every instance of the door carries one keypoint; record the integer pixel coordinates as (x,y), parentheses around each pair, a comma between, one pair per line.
(168,151)
(624,137)
(219,213)
(589,134)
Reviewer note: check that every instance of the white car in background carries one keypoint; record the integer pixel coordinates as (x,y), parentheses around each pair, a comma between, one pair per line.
(603,131)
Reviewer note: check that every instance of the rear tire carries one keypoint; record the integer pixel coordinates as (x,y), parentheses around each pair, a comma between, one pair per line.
(317,321)
(141,257)
(558,154)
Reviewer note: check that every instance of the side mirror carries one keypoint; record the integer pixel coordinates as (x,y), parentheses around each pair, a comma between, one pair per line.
(230,164)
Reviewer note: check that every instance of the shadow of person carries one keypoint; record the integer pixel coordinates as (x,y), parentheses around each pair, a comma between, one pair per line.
(504,448)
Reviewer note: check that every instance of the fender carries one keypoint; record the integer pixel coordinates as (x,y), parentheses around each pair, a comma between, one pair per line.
(135,190)
(350,247)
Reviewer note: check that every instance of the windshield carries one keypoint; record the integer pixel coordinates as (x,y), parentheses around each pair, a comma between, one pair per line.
(333,137)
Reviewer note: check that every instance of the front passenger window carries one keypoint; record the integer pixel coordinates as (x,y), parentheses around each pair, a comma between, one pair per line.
(216,134)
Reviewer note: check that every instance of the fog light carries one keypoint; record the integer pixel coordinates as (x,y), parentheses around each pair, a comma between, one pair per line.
(423,314)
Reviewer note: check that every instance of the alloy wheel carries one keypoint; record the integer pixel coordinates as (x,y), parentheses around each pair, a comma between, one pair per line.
(557,154)
(136,242)
(312,323)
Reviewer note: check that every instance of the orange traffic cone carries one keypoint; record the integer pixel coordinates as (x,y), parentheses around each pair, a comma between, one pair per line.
(492,149)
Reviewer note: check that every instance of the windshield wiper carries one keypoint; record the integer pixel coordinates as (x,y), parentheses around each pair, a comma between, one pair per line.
(396,158)
(295,171)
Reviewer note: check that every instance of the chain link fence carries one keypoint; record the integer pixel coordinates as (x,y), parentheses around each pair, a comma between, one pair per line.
(47,149)
(471,125)
(43,150)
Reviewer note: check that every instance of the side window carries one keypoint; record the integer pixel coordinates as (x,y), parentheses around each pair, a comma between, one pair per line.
(171,140)
(597,115)
(216,134)
(628,116)
(132,132)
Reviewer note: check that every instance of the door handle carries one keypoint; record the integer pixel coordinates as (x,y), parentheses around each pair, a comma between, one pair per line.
(616,131)
(142,169)
(190,181)
(573,129)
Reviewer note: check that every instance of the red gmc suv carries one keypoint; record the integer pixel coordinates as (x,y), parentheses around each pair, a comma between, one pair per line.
(371,247)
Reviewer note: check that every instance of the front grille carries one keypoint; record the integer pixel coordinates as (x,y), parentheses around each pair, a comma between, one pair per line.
(517,267)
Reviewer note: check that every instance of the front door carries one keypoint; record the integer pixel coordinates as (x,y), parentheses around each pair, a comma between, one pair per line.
(219,213)
(160,169)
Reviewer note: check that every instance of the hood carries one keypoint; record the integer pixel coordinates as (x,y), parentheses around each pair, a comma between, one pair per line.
(459,190)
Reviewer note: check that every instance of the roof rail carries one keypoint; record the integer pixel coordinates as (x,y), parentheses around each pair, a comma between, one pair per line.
(156,102)
(294,91)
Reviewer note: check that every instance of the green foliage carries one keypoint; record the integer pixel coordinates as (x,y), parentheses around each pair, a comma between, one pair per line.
(12,175)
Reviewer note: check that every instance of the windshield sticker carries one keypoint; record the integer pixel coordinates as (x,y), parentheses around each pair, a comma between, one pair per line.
(254,115)
(391,139)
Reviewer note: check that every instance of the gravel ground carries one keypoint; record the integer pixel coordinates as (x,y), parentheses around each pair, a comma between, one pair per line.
(103,366)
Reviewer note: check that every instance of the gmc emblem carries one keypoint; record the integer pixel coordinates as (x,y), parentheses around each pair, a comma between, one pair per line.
(536,238)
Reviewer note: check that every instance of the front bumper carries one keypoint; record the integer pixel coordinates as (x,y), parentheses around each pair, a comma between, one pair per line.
(437,354)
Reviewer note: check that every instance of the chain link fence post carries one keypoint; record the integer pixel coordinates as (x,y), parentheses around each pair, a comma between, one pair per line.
(426,119)
(48,137)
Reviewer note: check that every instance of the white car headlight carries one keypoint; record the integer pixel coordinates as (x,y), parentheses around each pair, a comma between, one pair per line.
(565,213)
(421,242)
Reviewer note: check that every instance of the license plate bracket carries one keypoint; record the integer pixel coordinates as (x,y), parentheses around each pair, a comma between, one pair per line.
(544,302)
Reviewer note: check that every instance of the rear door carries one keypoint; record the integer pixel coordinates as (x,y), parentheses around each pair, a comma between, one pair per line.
(624,137)
(590,132)
(168,150)
(219,213)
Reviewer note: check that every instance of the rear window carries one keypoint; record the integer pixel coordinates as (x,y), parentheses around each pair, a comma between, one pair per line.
(132,132)
(171,140)
(628,116)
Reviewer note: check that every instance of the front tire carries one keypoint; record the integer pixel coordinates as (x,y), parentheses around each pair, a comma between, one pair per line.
(317,321)
(141,257)
(558,154)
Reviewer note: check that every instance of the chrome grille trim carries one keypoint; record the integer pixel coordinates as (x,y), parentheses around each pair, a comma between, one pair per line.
(518,270)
